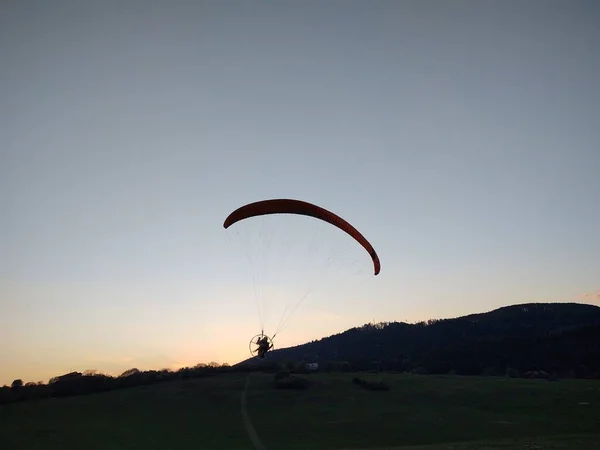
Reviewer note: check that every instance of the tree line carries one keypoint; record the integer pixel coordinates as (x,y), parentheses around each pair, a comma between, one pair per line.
(92,381)
(535,340)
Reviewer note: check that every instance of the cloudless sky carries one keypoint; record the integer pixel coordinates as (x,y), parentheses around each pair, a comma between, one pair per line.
(462,138)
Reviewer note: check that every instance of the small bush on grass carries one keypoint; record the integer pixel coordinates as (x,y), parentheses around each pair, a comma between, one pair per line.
(280,381)
(281,374)
(375,385)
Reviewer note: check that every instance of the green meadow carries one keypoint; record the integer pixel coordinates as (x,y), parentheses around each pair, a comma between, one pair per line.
(425,412)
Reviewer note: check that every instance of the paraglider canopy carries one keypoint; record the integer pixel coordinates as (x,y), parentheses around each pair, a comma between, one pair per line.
(296,248)
(289,206)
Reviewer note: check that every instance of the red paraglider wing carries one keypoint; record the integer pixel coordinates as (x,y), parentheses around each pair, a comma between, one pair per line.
(290,206)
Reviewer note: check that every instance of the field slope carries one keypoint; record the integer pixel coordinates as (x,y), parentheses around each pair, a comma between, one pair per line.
(425,412)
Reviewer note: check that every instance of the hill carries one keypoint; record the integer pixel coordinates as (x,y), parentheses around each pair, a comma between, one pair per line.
(556,337)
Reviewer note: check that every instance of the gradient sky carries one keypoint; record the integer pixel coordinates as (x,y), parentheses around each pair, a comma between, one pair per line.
(462,138)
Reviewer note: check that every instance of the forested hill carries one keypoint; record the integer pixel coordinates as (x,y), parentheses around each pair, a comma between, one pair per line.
(559,337)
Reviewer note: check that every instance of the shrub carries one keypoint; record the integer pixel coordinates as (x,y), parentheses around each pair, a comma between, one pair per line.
(338,366)
(375,385)
(283,373)
(290,382)
(536,374)
(553,376)
(301,367)
(512,373)
(488,372)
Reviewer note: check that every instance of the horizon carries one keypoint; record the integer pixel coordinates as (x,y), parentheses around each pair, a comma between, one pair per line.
(234,363)
(460,139)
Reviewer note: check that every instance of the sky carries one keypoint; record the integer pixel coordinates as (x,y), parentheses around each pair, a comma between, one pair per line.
(461,138)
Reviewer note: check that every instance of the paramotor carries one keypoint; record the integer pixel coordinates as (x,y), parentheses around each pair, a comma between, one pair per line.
(288,238)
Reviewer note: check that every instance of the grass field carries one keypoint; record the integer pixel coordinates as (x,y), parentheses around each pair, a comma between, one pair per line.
(425,412)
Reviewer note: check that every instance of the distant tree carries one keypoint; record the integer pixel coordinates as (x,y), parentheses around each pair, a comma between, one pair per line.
(300,367)
(17,384)
(6,395)
(512,373)
(65,377)
(488,372)
(129,373)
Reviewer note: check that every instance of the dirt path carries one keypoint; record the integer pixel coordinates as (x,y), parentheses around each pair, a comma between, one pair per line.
(246,418)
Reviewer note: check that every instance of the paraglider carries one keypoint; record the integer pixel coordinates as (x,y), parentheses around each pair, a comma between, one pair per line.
(260,345)
(319,246)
